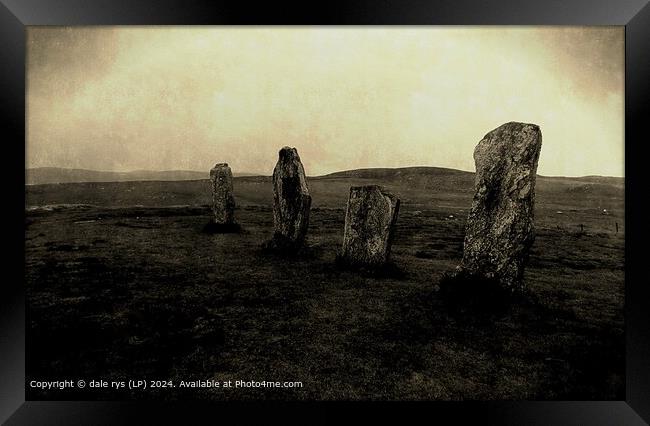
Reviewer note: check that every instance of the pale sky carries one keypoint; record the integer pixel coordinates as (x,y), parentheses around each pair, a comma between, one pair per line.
(165,98)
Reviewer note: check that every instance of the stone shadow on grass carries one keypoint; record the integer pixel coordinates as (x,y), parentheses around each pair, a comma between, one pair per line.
(219,228)
(386,270)
(477,297)
(283,247)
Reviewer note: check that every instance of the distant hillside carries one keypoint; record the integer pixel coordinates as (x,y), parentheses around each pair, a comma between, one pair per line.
(422,171)
(418,176)
(399,173)
(42,175)
(458,180)
(418,188)
(438,180)
(427,178)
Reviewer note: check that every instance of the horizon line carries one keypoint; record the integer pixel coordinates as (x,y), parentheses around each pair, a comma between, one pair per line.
(253,174)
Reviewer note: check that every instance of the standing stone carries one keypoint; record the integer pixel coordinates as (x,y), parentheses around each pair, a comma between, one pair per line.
(500,230)
(291,200)
(369,226)
(223,201)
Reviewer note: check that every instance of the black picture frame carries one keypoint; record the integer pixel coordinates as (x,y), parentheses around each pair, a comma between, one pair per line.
(15,15)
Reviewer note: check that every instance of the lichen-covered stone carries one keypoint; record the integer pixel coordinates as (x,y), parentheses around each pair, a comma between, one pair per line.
(223,200)
(369,226)
(499,230)
(291,200)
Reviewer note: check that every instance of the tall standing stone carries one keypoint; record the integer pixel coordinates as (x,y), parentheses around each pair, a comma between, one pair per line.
(500,230)
(223,201)
(369,226)
(291,200)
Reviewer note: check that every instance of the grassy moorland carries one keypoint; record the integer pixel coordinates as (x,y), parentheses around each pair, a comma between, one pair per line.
(122,282)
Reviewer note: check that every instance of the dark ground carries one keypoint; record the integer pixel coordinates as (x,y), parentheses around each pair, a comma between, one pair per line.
(119,291)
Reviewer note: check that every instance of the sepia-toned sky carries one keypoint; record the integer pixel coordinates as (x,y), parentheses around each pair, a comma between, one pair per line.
(164,98)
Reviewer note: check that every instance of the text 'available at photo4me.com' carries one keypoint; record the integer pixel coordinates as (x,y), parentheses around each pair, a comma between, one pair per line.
(145,384)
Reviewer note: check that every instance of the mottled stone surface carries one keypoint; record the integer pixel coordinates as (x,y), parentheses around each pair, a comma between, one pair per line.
(291,199)
(223,201)
(369,225)
(499,231)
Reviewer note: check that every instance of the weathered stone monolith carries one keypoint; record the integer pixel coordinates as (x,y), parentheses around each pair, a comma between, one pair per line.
(223,201)
(499,230)
(369,226)
(291,200)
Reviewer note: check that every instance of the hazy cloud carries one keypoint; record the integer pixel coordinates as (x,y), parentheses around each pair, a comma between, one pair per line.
(160,98)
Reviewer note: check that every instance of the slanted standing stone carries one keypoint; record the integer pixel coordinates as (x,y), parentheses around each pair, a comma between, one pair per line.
(223,201)
(291,200)
(369,226)
(499,230)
